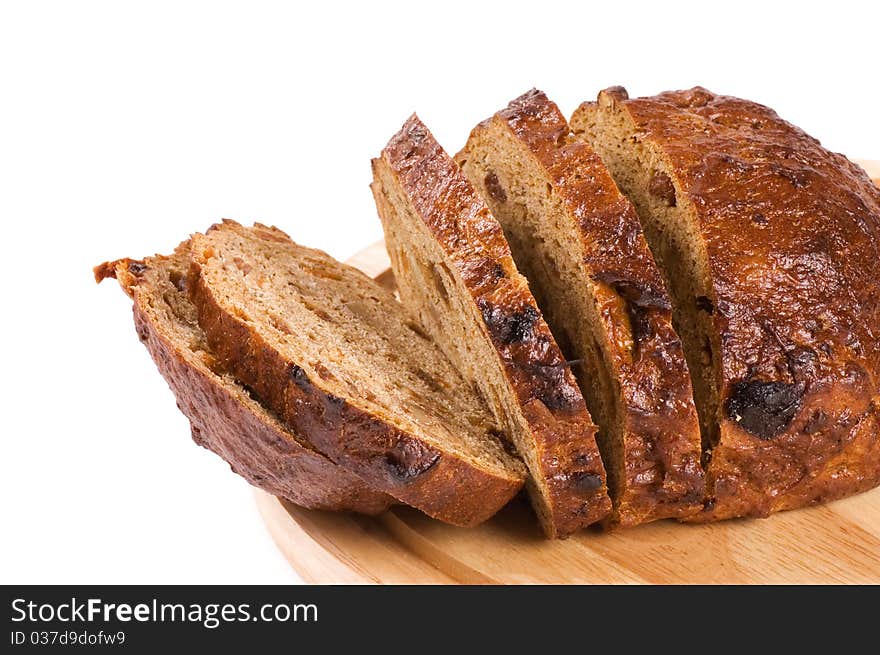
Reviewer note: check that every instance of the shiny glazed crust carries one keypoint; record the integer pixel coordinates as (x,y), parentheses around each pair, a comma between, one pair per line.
(662,476)
(535,369)
(450,488)
(792,234)
(223,418)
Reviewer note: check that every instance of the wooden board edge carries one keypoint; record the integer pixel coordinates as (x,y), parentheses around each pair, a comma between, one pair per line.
(321,546)
(372,260)
(319,566)
(872,168)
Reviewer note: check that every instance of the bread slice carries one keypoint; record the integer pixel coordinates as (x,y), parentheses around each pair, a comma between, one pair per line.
(578,241)
(771,248)
(453,265)
(224,417)
(343,364)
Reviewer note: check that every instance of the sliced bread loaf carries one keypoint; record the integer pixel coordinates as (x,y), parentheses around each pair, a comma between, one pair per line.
(771,249)
(223,415)
(343,364)
(578,241)
(454,267)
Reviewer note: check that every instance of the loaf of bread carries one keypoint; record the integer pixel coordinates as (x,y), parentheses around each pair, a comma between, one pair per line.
(710,278)
(223,416)
(578,241)
(454,268)
(771,248)
(345,365)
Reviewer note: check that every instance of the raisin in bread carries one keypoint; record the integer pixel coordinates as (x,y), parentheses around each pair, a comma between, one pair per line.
(343,364)
(223,416)
(454,267)
(578,241)
(771,249)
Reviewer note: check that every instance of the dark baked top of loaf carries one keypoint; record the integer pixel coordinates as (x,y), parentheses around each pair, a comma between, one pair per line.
(792,233)
(223,416)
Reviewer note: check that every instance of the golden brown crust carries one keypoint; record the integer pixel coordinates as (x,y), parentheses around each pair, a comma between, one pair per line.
(222,418)
(663,477)
(447,487)
(537,372)
(792,233)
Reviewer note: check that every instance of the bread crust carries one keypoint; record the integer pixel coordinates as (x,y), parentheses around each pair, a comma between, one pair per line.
(662,474)
(533,364)
(223,420)
(792,233)
(447,487)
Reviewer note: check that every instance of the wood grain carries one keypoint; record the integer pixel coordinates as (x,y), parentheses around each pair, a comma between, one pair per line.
(834,543)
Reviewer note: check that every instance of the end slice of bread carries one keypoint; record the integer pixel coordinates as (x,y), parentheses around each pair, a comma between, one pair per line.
(224,417)
(769,243)
(454,267)
(579,242)
(345,365)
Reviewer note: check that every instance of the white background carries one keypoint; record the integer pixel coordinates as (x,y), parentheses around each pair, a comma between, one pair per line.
(126,126)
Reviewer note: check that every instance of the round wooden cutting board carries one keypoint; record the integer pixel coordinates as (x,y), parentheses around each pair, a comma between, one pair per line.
(834,543)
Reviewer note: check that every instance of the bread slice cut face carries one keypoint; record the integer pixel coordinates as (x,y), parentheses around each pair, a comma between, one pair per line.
(454,268)
(579,242)
(341,361)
